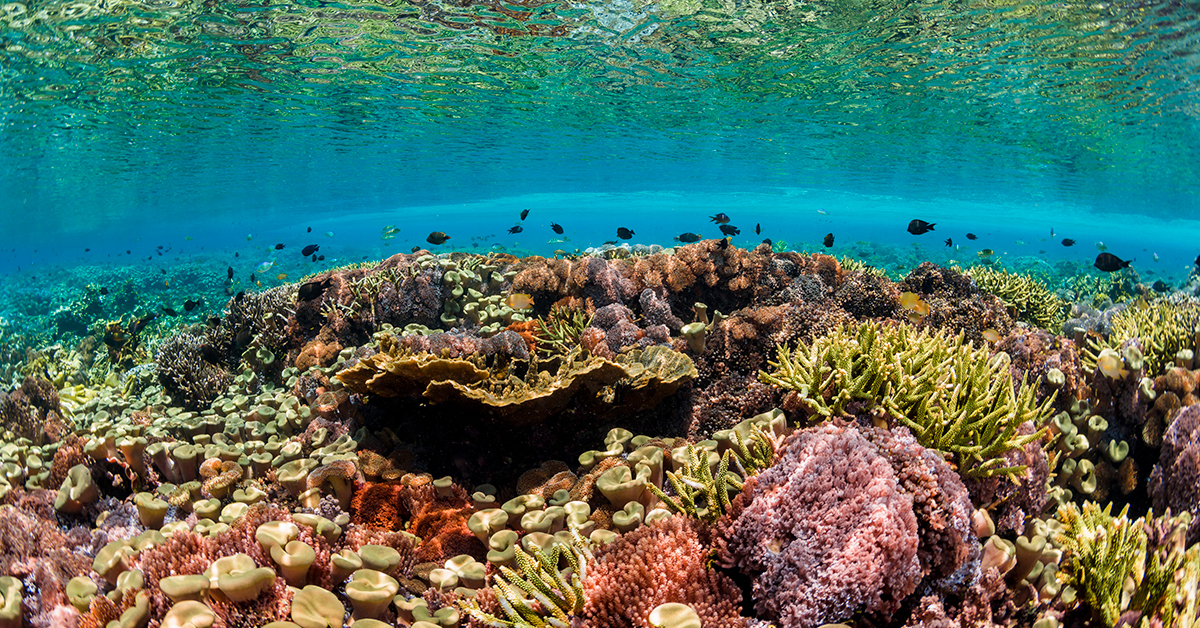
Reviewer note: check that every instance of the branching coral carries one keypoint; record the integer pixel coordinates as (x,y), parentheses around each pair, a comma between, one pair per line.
(1165,327)
(954,397)
(185,373)
(559,331)
(1033,301)
(1117,565)
(556,596)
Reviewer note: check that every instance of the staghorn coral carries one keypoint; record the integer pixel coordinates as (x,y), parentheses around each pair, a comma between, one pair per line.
(1032,300)
(560,330)
(1121,566)
(185,374)
(1163,327)
(826,533)
(665,561)
(956,398)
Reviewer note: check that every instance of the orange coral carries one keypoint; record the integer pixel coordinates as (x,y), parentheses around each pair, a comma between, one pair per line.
(528,331)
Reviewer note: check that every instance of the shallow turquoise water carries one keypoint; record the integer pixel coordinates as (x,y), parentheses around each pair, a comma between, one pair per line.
(128,125)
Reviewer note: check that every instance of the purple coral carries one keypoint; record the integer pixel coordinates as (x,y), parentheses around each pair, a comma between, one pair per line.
(1175,480)
(657,311)
(460,344)
(825,533)
(849,520)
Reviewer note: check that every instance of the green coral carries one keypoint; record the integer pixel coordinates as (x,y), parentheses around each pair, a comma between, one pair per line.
(1164,327)
(1116,565)
(852,265)
(559,331)
(539,579)
(955,398)
(1100,292)
(698,492)
(1032,300)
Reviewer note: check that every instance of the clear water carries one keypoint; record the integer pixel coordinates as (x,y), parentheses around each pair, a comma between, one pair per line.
(125,125)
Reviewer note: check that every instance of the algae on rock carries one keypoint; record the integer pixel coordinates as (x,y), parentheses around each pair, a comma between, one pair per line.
(955,398)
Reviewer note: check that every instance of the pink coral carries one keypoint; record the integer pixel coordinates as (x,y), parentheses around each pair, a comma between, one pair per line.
(1175,480)
(825,533)
(656,564)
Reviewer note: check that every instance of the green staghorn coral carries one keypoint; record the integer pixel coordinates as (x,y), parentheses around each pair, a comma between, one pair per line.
(559,331)
(698,492)
(1032,300)
(539,579)
(955,398)
(1100,291)
(1164,327)
(1116,565)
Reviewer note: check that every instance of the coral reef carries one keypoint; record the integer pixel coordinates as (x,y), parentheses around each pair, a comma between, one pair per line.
(1175,480)
(831,531)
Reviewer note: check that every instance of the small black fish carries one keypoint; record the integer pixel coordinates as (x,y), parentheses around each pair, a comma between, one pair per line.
(87,250)
(949,241)
(415,249)
(720,218)
(757,228)
(236,254)
(213,321)
(688,237)
(723,243)
(917,227)
(516,229)
(251,277)
(313,289)
(230,272)
(127,252)
(237,298)
(279,246)
(524,214)
(320,258)
(730,230)
(170,311)
(103,290)
(768,242)
(310,230)
(624,233)
(1051,232)
(310,249)
(437,237)
(1198,260)
(314,257)
(828,240)
(159,253)
(1161,286)
(972,236)
(190,305)
(614,243)
(1108,262)
(159,246)
(164,271)
(557,228)
(1068,242)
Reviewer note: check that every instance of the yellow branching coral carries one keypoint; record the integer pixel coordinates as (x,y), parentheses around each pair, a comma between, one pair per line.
(955,398)
(1032,300)
(539,595)
(1116,565)
(1164,326)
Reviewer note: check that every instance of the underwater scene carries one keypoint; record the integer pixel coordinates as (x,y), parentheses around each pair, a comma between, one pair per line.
(599,313)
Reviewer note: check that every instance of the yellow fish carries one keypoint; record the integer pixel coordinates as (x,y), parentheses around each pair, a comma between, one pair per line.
(281,276)
(986,253)
(519,301)
(1110,364)
(991,335)
(917,309)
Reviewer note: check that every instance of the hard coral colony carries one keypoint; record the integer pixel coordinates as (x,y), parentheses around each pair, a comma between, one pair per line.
(702,436)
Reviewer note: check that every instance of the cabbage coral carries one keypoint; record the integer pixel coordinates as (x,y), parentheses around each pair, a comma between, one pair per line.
(955,398)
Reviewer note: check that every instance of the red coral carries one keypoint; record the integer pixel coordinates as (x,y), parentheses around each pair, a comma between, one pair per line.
(34,549)
(825,533)
(656,564)
(441,522)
